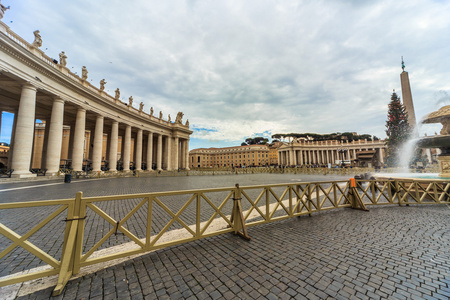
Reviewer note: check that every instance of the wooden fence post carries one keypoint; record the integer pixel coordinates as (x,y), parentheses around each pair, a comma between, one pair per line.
(237,218)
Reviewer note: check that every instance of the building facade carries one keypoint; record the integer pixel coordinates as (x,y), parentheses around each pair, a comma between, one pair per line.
(357,153)
(34,87)
(273,153)
(240,156)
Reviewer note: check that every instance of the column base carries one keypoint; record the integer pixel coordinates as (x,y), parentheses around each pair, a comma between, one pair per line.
(26,175)
(53,173)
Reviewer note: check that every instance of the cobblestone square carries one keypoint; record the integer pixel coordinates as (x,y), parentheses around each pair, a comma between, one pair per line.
(389,252)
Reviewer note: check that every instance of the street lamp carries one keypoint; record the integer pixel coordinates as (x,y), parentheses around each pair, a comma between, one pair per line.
(342,151)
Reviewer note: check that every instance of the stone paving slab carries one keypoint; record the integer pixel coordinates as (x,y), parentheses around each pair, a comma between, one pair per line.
(50,238)
(389,252)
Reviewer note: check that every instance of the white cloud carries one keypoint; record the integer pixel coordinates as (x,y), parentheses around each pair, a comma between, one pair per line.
(239,68)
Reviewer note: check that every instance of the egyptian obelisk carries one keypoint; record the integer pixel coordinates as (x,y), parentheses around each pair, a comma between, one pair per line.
(407,97)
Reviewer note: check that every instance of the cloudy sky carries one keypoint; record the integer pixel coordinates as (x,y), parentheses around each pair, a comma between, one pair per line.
(241,69)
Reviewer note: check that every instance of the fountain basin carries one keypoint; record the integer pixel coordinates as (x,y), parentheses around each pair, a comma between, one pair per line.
(439,141)
(442,141)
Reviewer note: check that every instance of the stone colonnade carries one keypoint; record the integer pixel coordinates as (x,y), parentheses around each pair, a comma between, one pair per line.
(322,153)
(165,151)
(34,86)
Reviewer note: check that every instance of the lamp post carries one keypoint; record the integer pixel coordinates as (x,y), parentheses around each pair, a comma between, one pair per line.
(342,151)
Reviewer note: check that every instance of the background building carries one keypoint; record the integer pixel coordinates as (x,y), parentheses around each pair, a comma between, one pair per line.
(240,156)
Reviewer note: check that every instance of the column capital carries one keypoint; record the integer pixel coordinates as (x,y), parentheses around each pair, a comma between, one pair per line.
(58,99)
(29,86)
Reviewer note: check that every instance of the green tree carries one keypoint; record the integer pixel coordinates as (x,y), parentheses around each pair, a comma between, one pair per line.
(255,141)
(398,130)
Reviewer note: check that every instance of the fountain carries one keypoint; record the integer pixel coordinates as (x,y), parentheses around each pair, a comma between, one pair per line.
(441,141)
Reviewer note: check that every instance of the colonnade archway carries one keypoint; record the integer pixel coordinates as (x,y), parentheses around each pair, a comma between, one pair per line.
(82,122)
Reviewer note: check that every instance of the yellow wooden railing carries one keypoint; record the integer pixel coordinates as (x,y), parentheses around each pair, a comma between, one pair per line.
(198,214)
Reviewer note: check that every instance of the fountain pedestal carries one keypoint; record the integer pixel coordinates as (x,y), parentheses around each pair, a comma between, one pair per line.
(444,165)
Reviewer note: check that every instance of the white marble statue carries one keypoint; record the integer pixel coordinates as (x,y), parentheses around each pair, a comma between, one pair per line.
(179,117)
(151,111)
(141,106)
(63,59)
(130,101)
(102,84)
(117,96)
(37,39)
(2,9)
(84,73)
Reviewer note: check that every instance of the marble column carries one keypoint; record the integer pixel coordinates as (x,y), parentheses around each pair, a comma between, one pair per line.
(127,149)
(159,153)
(168,155)
(23,139)
(114,143)
(183,154)
(176,148)
(138,160)
(150,151)
(55,137)
(78,140)
(186,149)
(98,145)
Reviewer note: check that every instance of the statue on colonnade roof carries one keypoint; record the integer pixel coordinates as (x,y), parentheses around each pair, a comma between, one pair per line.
(117,96)
(37,39)
(102,84)
(179,117)
(84,73)
(62,59)
(2,9)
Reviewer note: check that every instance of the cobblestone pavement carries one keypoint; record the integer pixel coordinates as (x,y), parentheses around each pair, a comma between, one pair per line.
(50,238)
(389,252)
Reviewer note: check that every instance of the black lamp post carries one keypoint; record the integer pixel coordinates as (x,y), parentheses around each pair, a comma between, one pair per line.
(342,152)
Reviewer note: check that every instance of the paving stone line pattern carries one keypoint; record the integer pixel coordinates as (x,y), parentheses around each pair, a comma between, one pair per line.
(395,252)
(50,237)
(389,252)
